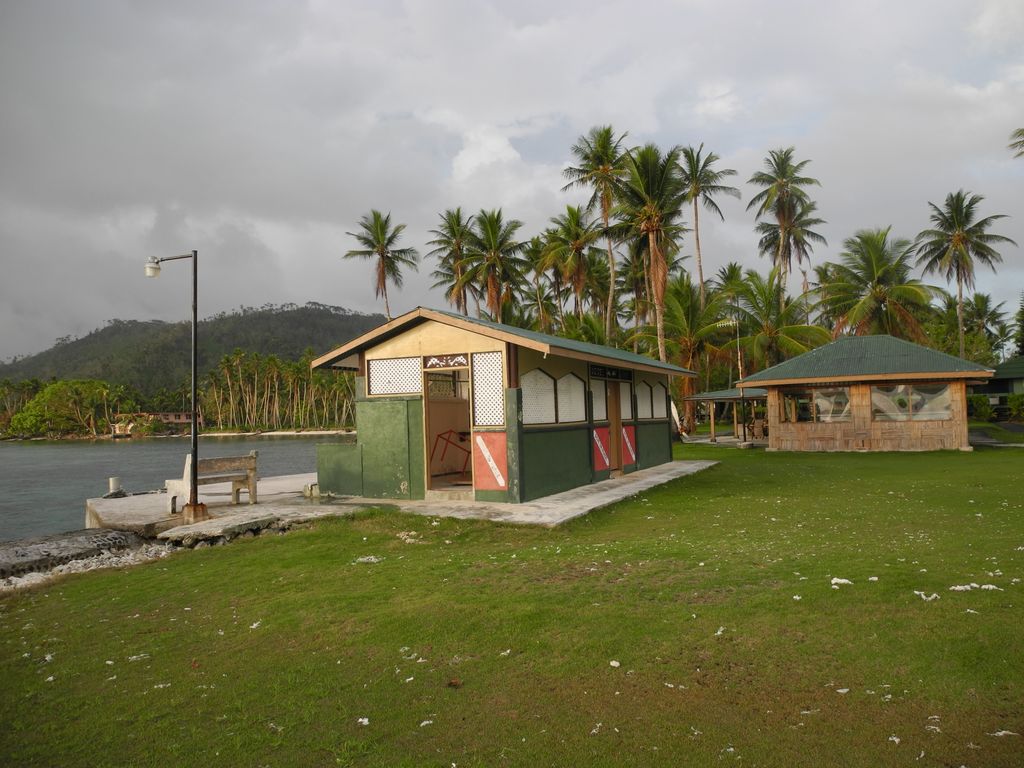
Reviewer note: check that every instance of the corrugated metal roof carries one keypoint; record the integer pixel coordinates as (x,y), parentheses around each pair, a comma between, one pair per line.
(859,357)
(343,356)
(1011,369)
(750,393)
(559,342)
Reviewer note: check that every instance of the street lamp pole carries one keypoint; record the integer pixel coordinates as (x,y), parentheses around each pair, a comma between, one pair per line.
(193,511)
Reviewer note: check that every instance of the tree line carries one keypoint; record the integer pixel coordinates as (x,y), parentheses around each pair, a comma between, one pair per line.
(148,355)
(246,391)
(611,269)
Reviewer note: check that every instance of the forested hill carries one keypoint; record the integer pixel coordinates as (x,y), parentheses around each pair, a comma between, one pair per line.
(152,355)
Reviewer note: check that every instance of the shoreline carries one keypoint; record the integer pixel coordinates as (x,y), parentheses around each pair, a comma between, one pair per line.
(186,435)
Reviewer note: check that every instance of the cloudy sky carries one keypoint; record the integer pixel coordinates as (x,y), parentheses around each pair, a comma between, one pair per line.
(259,132)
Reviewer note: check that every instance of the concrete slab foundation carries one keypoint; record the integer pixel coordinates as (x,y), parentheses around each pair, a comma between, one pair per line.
(555,509)
(282,505)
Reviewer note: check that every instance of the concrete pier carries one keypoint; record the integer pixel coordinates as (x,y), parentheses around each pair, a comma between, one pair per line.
(283,505)
(146,514)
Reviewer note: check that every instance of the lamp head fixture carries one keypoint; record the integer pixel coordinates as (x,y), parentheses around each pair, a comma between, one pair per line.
(153,267)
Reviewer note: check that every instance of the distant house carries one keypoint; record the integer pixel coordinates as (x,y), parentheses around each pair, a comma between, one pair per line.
(1007,380)
(456,407)
(868,393)
(124,423)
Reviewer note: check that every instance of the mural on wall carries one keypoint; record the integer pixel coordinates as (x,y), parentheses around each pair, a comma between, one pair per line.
(601,449)
(628,446)
(490,461)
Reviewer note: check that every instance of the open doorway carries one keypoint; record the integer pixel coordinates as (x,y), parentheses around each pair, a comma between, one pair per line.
(447,428)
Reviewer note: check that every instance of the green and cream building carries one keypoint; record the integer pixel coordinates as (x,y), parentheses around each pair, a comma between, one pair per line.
(452,405)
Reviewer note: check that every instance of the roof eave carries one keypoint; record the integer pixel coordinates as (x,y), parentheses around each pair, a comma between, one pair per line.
(865,378)
(335,358)
(330,359)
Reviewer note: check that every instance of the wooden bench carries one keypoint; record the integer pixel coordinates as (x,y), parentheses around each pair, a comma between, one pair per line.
(240,471)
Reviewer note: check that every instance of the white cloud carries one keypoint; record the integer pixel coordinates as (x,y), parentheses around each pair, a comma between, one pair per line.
(717,101)
(260,138)
(999,24)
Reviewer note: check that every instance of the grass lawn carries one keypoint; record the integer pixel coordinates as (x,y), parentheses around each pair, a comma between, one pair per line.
(485,644)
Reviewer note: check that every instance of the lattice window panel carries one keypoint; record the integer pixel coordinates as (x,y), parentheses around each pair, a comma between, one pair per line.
(660,394)
(600,394)
(538,397)
(488,390)
(571,393)
(643,400)
(626,400)
(395,376)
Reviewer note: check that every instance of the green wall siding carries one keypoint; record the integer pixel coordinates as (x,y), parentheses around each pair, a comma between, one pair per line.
(553,461)
(388,461)
(389,458)
(339,468)
(654,443)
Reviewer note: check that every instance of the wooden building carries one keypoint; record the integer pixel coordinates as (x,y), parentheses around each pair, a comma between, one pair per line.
(868,393)
(1007,380)
(454,406)
(745,404)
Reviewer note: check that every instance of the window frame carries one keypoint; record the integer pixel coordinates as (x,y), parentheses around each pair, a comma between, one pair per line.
(554,397)
(558,406)
(800,394)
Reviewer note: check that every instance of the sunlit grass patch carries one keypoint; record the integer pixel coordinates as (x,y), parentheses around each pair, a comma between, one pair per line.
(481,644)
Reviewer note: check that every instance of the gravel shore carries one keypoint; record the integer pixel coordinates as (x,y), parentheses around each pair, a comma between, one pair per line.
(105,559)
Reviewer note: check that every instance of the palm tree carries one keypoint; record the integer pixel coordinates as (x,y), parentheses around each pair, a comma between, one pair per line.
(632,282)
(567,246)
(871,291)
(727,283)
(450,249)
(539,301)
(823,279)
(597,287)
(798,243)
(984,317)
(651,201)
(956,240)
(1018,335)
(783,191)
(587,328)
(379,239)
(600,165)
(1017,142)
(690,329)
(493,259)
(703,183)
(772,322)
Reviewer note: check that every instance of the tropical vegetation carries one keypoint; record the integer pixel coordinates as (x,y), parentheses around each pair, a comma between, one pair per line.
(127,371)
(613,268)
(958,240)
(616,268)
(379,241)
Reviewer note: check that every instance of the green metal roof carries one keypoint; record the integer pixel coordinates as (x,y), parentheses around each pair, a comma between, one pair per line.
(1011,369)
(859,357)
(584,347)
(728,395)
(344,356)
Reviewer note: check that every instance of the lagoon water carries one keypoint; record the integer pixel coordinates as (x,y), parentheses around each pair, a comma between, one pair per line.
(44,485)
